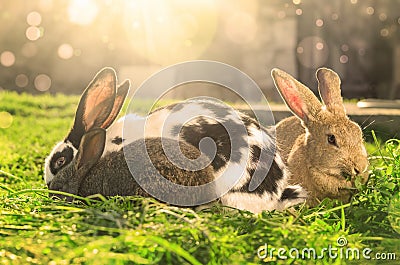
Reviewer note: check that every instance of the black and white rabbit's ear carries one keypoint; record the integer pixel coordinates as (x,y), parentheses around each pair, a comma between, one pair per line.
(329,90)
(95,106)
(90,150)
(299,98)
(122,92)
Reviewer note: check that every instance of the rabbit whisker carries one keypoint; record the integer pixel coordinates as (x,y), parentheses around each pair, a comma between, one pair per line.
(372,122)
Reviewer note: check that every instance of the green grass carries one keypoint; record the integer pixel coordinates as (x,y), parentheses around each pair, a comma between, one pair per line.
(37,230)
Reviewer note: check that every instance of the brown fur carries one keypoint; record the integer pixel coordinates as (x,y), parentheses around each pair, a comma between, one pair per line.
(110,175)
(323,169)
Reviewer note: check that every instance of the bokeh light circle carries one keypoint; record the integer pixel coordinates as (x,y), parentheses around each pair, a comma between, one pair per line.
(370,10)
(319,22)
(32,33)
(65,51)
(34,18)
(6,119)
(312,52)
(42,82)
(7,58)
(22,80)
(344,59)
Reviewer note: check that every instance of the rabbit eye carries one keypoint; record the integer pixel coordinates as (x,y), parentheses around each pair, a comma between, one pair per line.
(332,139)
(60,162)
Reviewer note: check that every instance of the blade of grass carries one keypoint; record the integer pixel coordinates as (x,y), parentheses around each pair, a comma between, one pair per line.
(87,200)
(335,208)
(378,146)
(176,249)
(2,172)
(4,187)
(343,219)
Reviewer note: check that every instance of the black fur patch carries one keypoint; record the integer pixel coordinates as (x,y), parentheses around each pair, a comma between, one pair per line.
(193,134)
(67,153)
(248,121)
(117,140)
(270,178)
(75,136)
(255,153)
(289,193)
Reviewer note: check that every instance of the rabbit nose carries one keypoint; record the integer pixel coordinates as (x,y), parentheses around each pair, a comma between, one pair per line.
(356,171)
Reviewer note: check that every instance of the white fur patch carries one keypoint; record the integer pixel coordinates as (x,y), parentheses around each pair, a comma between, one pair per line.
(48,176)
(235,170)
(252,202)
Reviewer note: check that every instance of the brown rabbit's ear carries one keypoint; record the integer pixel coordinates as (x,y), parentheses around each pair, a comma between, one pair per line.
(299,98)
(95,106)
(329,90)
(122,92)
(90,150)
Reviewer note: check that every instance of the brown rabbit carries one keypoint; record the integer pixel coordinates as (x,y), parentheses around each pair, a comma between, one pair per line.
(322,147)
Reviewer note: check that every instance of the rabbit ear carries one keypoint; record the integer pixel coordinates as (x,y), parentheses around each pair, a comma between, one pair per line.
(95,106)
(329,90)
(300,99)
(90,150)
(122,92)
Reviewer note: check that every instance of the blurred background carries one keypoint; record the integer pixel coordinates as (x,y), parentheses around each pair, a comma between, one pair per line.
(49,46)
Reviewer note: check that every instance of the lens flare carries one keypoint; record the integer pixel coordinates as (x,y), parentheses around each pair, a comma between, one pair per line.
(82,12)
(167,32)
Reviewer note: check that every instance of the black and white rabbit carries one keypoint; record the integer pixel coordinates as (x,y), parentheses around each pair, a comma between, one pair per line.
(99,106)
(244,148)
(91,172)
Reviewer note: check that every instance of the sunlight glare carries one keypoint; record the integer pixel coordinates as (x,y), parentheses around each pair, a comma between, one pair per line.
(82,12)
(241,27)
(167,32)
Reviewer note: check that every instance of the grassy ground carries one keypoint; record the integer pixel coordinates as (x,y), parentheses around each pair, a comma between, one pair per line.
(35,229)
